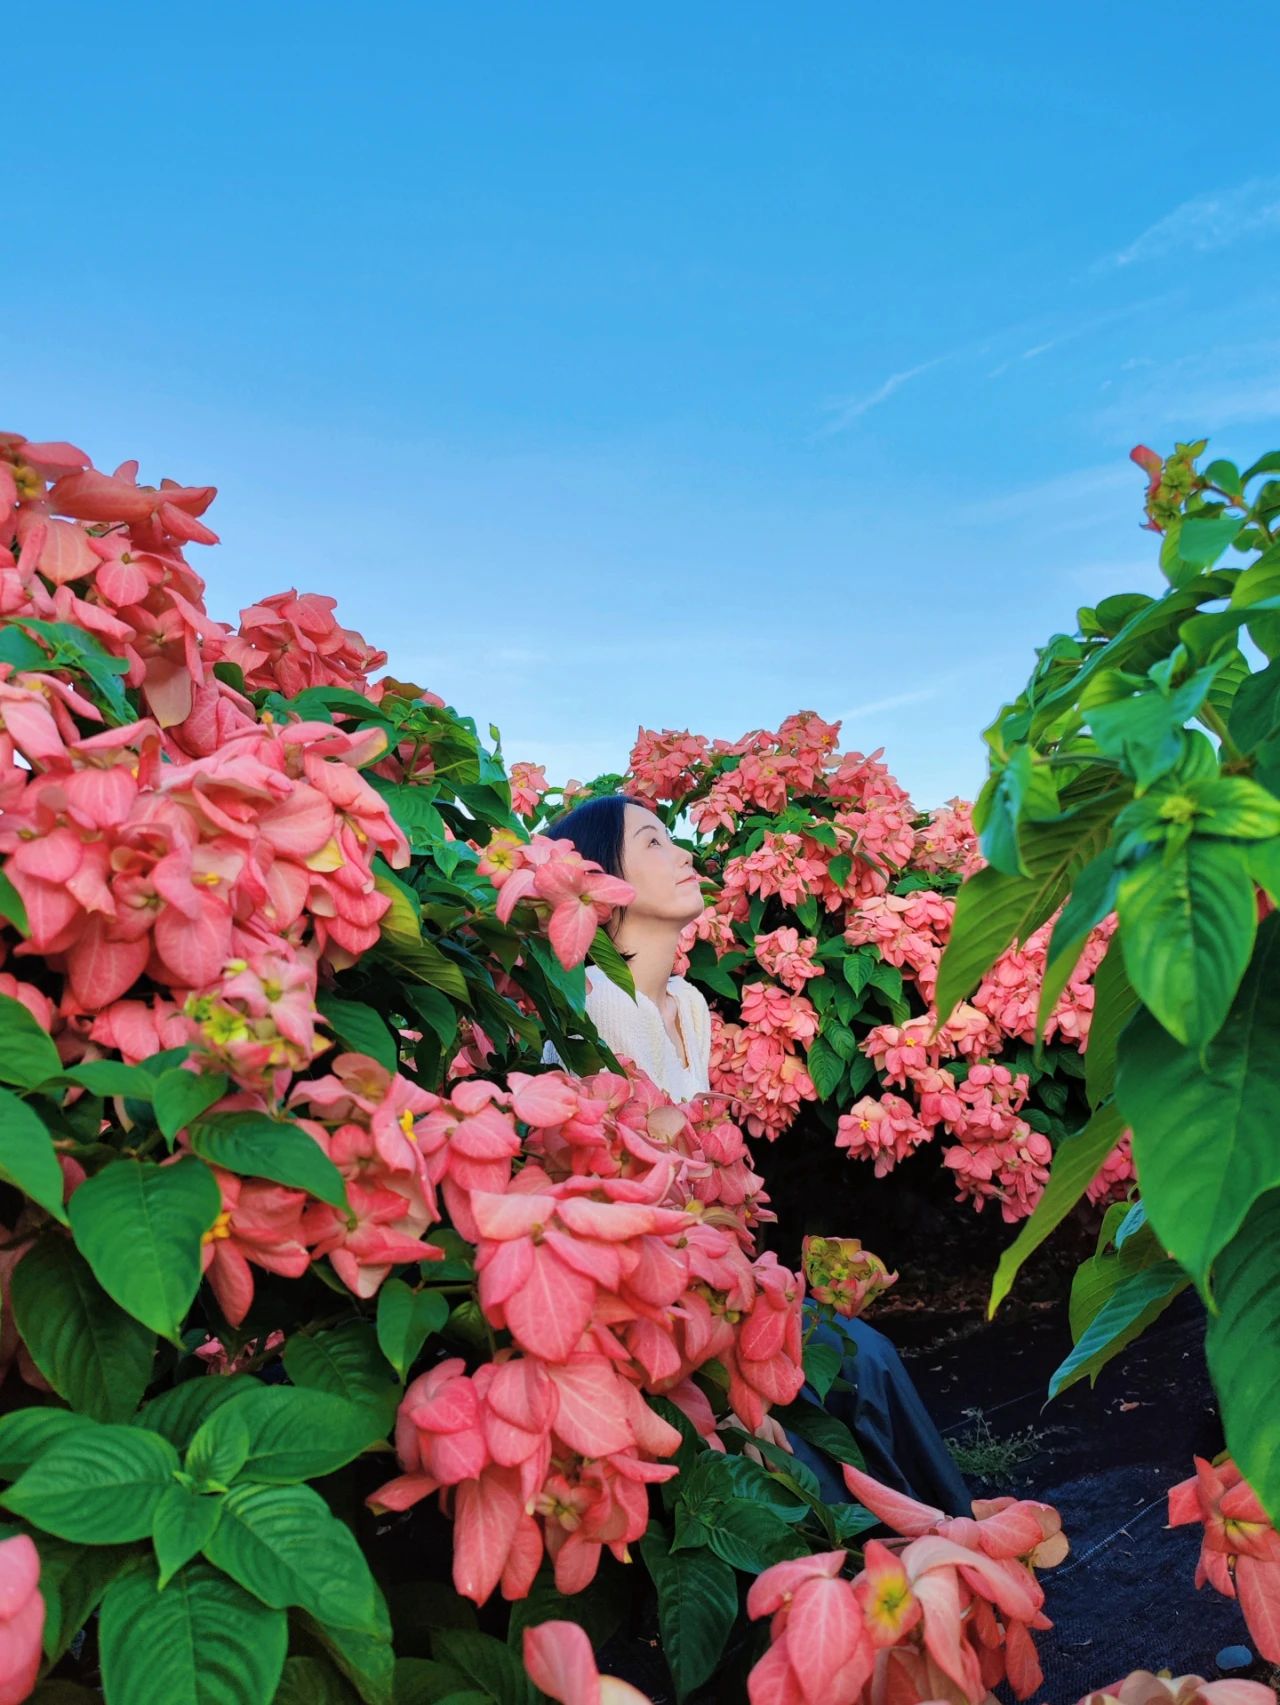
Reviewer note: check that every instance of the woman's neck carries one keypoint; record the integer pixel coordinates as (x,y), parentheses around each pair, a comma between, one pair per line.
(653,953)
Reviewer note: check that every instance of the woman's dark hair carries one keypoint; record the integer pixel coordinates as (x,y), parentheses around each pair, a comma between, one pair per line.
(597,829)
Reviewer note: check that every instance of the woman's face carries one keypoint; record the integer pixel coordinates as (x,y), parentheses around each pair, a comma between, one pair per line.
(661,873)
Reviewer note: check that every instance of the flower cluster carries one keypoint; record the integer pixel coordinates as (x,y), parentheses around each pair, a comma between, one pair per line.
(619,1260)
(844,1275)
(185,873)
(1240,1553)
(947,1615)
(573,895)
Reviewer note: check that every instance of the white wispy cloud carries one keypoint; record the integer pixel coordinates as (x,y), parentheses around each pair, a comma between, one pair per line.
(1205,223)
(845,410)
(895,701)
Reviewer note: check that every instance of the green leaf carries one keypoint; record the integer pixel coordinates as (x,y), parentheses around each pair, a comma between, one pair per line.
(294,1433)
(857,968)
(99,1486)
(28,1159)
(183,1525)
(821,1365)
(824,1431)
(139,1227)
(255,1146)
(993,909)
(1096,1280)
(181,1096)
(1237,808)
(1255,715)
(366,1660)
(92,1353)
(74,647)
(403,945)
(437,1011)
(360,1028)
(797,1476)
(312,1681)
(603,953)
(1204,1120)
(484,1664)
(1187,925)
(113,1077)
(27,1057)
(752,1537)
(1114,1003)
(1263,859)
(220,1445)
(1144,731)
(1204,538)
(406,1319)
(412,809)
(1075,1164)
(73,1579)
(824,1066)
(1021,790)
(1243,1347)
(282,1544)
(346,1362)
(12,907)
(202,1641)
(1225,475)
(716,1479)
(179,1413)
(20,650)
(25,1434)
(697,1607)
(1134,1305)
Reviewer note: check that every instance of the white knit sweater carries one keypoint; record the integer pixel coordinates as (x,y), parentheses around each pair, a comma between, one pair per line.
(634,1028)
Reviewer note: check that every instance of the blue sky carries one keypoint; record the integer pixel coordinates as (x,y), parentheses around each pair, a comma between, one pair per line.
(686,365)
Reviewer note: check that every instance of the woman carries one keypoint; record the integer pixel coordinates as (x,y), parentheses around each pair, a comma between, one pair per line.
(666,1030)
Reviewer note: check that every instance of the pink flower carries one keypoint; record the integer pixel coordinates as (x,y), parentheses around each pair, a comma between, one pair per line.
(885,1131)
(1240,1554)
(1140,1687)
(560,1662)
(260,1224)
(844,1275)
(291,642)
(22,1614)
(821,1649)
(788,958)
(665,765)
(528,784)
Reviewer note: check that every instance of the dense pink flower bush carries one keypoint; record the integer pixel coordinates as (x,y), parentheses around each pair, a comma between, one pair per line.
(820,952)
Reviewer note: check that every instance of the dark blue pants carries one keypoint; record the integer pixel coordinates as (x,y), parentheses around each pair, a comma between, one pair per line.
(901,1445)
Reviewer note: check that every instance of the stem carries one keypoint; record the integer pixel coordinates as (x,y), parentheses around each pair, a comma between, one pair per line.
(1213,721)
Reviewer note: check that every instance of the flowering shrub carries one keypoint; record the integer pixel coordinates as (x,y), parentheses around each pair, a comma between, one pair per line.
(819,949)
(285,1194)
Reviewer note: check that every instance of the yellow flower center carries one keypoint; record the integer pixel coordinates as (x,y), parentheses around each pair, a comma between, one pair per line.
(220,1228)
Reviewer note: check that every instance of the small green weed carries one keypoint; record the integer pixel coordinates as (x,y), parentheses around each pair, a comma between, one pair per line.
(979,1454)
